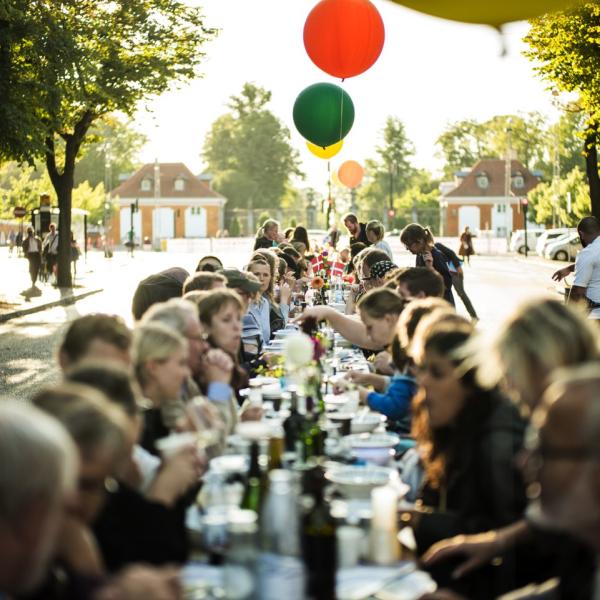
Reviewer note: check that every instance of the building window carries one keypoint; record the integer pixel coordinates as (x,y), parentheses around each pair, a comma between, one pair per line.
(196,210)
(146,185)
(179,184)
(518,181)
(482,181)
(500,208)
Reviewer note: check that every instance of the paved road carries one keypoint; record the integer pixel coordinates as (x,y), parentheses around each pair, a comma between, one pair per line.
(28,345)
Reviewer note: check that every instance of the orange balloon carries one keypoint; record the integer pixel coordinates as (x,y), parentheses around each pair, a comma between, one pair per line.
(350,174)
(344,37)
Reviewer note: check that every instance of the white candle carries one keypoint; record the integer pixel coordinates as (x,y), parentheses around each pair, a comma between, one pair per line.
(384,502)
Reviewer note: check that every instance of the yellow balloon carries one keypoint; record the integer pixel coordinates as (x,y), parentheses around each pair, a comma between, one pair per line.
(327,152)
(486,12)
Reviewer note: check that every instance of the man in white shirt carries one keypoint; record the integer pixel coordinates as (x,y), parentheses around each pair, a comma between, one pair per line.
(50,248)
(586,287)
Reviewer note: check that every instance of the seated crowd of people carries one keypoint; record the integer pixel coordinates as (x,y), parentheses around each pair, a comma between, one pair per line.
(504,472)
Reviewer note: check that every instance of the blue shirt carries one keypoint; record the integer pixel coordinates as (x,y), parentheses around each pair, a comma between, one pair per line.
(394,403)
(260,311)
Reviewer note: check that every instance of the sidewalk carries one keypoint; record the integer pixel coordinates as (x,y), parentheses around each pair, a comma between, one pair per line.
(15,279)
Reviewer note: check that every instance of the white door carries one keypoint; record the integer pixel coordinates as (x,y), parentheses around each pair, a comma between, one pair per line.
(164,221)
(195,222)
(468,216)
(502,219)
(126,225)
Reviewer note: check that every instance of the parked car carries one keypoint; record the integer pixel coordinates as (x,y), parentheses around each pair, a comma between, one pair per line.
(517,240)
(549,236)
(564,248)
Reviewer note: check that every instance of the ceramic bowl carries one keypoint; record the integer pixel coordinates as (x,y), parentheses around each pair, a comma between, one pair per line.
(357,481)
(367,423)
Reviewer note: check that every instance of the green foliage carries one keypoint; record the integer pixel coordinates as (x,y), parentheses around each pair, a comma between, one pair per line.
(391,173)
(532,139)
(546,195)
(111,151)
(22,186)
(249,153)
(264,216)
(63,66)
(566,49)
(90,199)
(234,227)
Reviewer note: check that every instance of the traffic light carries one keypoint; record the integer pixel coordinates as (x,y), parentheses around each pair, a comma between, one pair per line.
(391,213)
(525,204)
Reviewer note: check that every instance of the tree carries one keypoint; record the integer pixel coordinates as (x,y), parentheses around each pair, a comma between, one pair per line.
(391,173)
(112,150)
(464,143)
(64,66)
(248,151)
(547,196)
(566,49)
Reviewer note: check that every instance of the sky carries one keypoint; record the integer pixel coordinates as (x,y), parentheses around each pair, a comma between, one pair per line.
(431,72)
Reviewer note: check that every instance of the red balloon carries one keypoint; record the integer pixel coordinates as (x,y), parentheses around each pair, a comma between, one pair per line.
(344,37)
(350,174)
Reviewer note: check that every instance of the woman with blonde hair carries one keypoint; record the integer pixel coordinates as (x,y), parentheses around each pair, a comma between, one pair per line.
(160,363)
(268,235)
(375,232)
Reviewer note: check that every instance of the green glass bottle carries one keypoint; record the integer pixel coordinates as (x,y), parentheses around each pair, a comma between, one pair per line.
(255,484)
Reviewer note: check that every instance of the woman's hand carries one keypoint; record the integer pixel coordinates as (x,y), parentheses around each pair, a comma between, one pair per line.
(285,293)
(320,313)
(477,550)
(176,475)
(218,366)
(139,582)
(428,258)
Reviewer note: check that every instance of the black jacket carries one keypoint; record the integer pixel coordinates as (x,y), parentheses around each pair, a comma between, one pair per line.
(484,490)
(262,242)
(439,264)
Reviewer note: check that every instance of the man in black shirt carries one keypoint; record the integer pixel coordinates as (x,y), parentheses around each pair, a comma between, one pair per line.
(357,231)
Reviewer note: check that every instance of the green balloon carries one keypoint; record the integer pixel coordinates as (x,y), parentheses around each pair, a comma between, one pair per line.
(323,114)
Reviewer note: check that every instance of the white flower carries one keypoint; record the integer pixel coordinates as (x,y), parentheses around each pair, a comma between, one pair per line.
(297,350)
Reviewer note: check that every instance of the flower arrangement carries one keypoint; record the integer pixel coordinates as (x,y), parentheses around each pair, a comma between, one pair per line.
(317,283)
(274,368)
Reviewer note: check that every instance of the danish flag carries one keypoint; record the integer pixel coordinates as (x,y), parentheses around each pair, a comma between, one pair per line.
(337,269)
(317,263)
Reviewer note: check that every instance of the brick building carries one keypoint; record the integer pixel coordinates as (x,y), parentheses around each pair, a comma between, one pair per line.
(478,199)
(173,203)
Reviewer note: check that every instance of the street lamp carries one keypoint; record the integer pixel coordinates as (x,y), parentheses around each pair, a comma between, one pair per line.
(507,181)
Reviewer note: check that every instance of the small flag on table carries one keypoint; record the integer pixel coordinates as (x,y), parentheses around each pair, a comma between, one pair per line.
(337,269)
(317,263)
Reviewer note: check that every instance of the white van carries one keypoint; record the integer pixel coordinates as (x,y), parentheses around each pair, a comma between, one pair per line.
(548,236)
(517,240)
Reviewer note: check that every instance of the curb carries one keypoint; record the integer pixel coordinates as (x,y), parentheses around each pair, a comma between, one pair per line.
(70,299)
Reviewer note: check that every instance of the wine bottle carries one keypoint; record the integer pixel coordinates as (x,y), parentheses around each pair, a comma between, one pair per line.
(318,538)
(293,425)
(255,484)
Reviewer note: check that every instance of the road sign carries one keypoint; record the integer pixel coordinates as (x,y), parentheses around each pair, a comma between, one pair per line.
(19,211)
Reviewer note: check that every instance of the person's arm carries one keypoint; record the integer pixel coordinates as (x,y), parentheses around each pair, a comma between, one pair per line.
(451,256)
(564,272)
(584,268)
(477,550)
(349,327)
(379,382)
(395,402)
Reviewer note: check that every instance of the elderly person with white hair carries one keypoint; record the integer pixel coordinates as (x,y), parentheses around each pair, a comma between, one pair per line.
(39,469)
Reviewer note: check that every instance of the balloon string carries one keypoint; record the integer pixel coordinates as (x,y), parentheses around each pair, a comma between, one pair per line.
(341,112)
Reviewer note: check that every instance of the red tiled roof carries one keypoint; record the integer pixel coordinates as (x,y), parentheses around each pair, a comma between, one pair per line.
(169,172)
(495,171)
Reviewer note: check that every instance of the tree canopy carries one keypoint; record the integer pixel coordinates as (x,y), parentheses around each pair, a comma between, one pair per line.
(61,70)
(566,49)
(249,154)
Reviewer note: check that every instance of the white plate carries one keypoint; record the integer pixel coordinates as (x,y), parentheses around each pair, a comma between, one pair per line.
(357,481)
(367,423)
(373,440)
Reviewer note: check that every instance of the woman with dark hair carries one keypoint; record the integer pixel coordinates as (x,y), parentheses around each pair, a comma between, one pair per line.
(468,438)
(418,240)
(301,235)
(221,314)
(209,263)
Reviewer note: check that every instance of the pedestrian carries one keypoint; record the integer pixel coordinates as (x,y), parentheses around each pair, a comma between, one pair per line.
(419,241)
(11,241)
(19,243)
(50,249)
(75,254)
(32,248)
(466,245)
(357,231)
(458,276)
(586,287)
